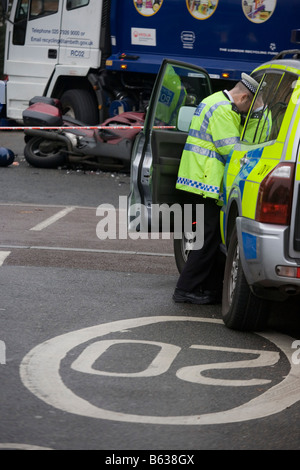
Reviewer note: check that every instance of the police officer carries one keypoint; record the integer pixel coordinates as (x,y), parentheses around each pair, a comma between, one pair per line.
(214,130)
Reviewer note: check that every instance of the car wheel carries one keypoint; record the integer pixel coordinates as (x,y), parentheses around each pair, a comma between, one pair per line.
(182,247)
(241,309)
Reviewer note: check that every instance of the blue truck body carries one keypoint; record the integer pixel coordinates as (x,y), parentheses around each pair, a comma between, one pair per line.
(232,37)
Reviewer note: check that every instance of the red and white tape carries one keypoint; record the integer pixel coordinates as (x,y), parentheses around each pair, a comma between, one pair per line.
(70,128)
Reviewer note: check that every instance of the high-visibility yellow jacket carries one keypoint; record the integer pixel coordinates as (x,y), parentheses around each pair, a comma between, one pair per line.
(214,130)
(172,97)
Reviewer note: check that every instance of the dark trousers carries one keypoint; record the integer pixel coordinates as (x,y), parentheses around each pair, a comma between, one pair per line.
(205,267)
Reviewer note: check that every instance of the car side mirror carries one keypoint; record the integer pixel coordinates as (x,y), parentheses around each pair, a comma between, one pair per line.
(184,118)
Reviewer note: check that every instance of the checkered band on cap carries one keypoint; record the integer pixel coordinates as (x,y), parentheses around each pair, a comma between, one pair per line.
(249,83)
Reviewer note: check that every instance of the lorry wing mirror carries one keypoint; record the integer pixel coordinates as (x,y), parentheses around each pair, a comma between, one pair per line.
(184,118)
(4,11)
(4,5)
(295,36)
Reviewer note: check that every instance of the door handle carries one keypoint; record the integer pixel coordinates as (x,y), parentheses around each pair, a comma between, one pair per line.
(52,53)
(243,161)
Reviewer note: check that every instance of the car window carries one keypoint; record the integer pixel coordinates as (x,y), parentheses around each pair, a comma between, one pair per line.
(180,87)
(43,8)
(20,22)
(269,107)
(72,4)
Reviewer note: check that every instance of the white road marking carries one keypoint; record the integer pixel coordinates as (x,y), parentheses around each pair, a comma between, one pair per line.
(53,219)
(86,250)
(16,446)
(160,364)
(40,373)
(3,256)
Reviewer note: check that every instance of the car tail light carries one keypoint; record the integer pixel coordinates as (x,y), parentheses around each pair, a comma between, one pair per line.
(275,195)
(288,271)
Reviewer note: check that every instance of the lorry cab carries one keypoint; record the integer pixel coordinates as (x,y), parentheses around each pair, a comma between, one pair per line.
(260,216)
(46,42)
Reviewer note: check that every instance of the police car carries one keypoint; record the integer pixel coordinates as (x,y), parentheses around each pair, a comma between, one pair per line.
(260,217)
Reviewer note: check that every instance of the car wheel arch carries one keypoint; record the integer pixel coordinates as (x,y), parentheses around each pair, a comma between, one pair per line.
(233,210)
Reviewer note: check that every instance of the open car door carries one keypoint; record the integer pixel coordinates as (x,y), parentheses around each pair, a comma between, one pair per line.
(157,151)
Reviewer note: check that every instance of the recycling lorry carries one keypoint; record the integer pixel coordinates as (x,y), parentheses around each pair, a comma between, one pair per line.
(100,57)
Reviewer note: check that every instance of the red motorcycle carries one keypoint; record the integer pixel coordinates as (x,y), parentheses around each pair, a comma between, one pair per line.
(54,140)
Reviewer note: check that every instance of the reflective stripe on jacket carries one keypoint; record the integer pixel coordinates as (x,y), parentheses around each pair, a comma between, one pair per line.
(214,130)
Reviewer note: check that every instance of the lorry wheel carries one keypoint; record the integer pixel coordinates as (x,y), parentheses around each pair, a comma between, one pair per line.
(43,153)
(241,309)
(80,104)
(182,247)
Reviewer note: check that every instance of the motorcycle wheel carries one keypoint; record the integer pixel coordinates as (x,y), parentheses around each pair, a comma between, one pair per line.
(43,153)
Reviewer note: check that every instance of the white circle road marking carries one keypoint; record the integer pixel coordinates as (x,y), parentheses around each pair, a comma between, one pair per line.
(3,256)
(13,446)
(39,372)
